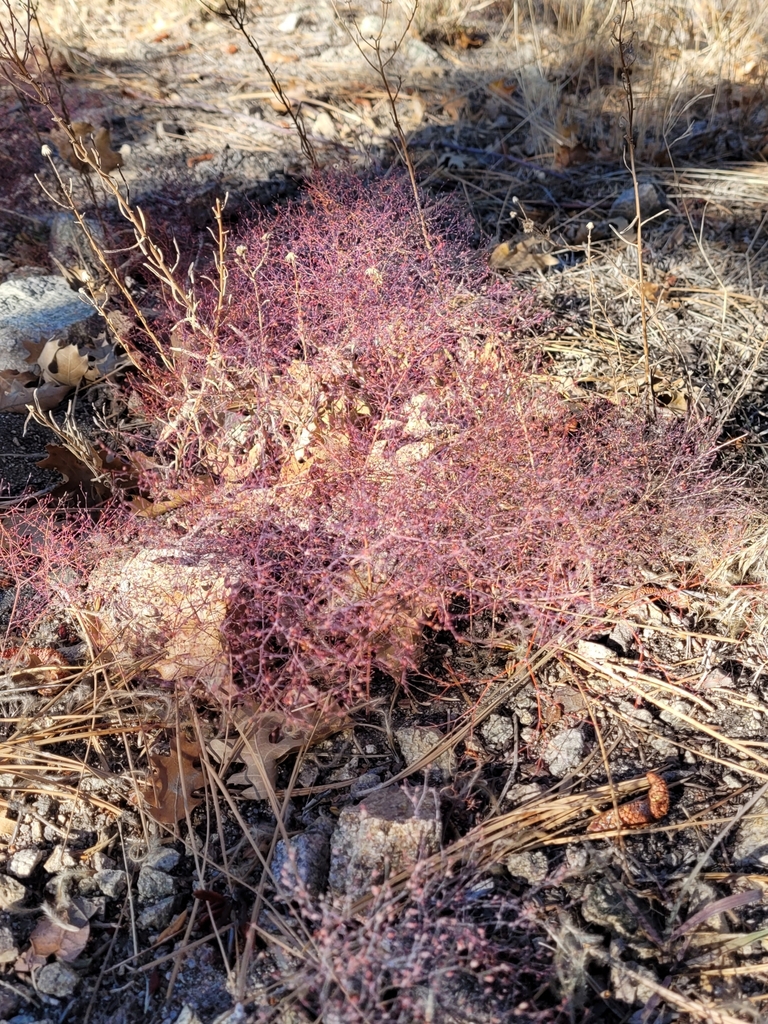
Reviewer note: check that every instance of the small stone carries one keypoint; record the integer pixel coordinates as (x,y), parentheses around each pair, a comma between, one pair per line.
(498,733)
(57,979)
(652,200)
(388,830)
(163,859)
(101,862)
(154,885)
(604,906)
(8,948)
(290,23)
(593,650)
(751,846)
(565,751)
(111,882)
(33,308)
(623,635)
(59,860)
(631,990)
(11,892)
(531,865)
(309,859)
(576,857)
(674,720)
(70,248)
(324,126)
(158,916)
(416,743)
(522,793)
(187,1016)
(24,862)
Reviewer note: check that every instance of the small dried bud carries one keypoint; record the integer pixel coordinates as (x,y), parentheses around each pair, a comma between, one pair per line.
(46,150)
(291,258)
(241,251)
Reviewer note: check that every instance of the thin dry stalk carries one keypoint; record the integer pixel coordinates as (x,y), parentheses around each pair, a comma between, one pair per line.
(378,62)
(236,11)
(626,59)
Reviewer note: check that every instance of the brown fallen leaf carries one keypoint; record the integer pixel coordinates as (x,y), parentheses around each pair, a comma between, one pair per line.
(201,158)
(645,810)
(50,939)
(20,389)
(94,144)
(173,928)
(503,87)
(62,363)
(468,39)
(174,779)
(268,737)
(34,664)
(571,155)
(526,255)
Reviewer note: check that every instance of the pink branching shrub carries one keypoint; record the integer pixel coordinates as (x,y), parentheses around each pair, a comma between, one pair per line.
(402,462)
(365,425)
(449,946)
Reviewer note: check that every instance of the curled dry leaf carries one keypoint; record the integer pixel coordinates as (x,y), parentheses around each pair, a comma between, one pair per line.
(175,777)
(268,737)
(21,389)
(645,810)
(96,144)
(50,938)
(61,362)
(526,255)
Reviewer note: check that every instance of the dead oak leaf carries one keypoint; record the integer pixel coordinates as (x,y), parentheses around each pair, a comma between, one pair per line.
(21,389)
(526,255)
(50,939)
(269,737)
(175,777)
(85,147)
(62,363)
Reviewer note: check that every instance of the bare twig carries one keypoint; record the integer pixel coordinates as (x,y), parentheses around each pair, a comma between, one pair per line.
(236,12)
(626,60)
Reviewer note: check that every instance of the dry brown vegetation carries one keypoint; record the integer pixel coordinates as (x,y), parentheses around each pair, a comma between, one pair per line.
(405,464)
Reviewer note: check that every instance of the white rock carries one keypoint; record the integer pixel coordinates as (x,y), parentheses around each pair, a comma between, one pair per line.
(531,865)
(628,989)
(59,860)
(11,892)
(8,949)
(24,862)
(416,743)
(387,831)
(187,1016)
(498,733)
(289,24)
(564,751)
(324,126)
(594,651)
(57,979)
(32,308)
(163,859)
(522,792)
